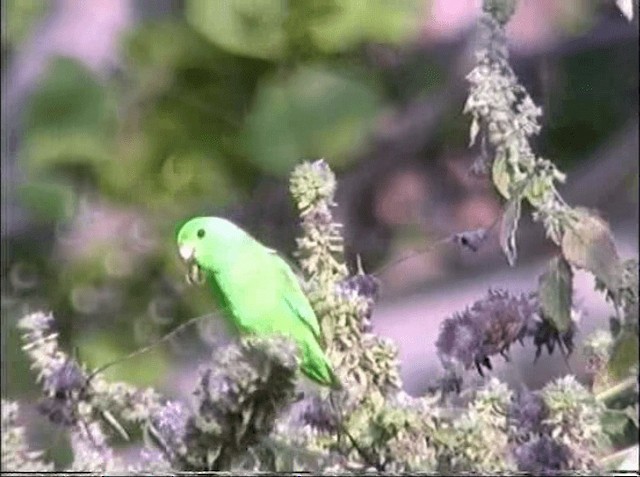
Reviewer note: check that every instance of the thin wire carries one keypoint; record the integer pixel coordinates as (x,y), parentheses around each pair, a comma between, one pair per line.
(429,247)
(148,347)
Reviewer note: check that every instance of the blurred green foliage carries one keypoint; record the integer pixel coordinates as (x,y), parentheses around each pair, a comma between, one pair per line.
(314,112)
(279,29)
(68,126)
(23,15)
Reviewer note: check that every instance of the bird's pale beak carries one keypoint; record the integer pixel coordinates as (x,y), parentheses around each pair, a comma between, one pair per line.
(186,252)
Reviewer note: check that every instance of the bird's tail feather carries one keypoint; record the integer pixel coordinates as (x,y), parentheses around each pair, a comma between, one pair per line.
(334,382)
(316,367)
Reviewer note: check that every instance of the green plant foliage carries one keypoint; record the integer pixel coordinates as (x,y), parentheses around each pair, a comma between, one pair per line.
(632,414)
(624,355)
(576,420)
(555,290)
(499,174)
(314,111)
(505,117)
(69,121)
(21,16)
(69,125)
(587,243)
(49,201)
(508,230)
(243,27)
(273,29)
(184,108)
(354,22)
(597,350)
(614,422)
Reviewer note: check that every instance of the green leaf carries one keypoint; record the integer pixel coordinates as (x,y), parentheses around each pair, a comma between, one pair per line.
(68,121)
(587,243)
(632,413)
(614,421)
(22,16)
(539,190)
(508,229)
(244,27)
(48,200)
(500,176)
(312,113)
(183,145)
(69,97)
(273,29)
(555,288)
(624,354)
(353,22)
(64,153)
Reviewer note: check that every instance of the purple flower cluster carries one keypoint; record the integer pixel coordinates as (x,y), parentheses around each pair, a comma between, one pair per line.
(535,450)
(365,286)
(170,424)
(542,456)
(319,415)
(63,388)
(527,413)
(491,325)
(237,400)
(362,284)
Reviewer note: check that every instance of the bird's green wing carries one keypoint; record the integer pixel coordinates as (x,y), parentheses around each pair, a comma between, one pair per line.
(294,296)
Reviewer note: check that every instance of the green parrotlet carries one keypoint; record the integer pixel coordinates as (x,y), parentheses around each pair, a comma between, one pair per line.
(255,288)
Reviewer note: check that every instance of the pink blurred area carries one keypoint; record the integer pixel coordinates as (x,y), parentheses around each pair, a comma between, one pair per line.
(535,25)
(86,31)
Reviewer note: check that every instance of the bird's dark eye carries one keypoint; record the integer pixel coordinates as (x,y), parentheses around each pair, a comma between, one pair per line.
(200,233)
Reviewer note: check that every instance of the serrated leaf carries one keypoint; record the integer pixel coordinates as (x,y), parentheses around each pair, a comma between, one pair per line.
(588,244)
(624,354)
(555,288)
(500,176)
(632,413)
(538,191)
(613,422)
(508,229)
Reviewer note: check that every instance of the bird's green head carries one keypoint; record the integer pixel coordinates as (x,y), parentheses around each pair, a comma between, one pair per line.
(206,242)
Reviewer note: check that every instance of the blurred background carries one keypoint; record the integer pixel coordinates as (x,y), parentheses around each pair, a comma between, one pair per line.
(123,118)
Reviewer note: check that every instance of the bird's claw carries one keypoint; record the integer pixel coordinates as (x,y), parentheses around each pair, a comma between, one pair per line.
(194,274)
